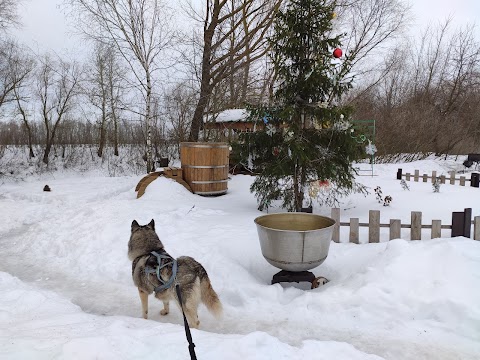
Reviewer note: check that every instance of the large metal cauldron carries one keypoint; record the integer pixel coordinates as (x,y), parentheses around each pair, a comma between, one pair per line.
(295,241)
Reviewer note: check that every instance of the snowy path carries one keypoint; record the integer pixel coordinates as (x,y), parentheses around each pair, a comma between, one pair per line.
(73,240)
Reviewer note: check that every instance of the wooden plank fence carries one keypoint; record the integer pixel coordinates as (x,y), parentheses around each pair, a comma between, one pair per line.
(452,179)
(461,226)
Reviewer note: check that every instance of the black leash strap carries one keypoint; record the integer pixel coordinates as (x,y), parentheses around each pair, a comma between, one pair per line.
(191,345)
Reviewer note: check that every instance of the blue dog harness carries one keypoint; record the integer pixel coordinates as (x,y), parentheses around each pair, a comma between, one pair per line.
(163,261)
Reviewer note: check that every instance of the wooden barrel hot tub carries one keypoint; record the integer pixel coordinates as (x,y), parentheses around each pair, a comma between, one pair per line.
(205,167)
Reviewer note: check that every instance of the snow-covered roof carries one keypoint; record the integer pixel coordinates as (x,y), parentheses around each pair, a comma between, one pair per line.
(229,115)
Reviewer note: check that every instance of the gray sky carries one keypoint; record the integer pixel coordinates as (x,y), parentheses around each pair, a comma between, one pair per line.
(463,11)
(46,26)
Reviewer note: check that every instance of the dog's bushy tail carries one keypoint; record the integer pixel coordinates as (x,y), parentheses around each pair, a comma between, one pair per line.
(210,298)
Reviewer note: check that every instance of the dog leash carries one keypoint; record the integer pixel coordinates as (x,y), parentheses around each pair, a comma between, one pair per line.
(191,345)
(164,285)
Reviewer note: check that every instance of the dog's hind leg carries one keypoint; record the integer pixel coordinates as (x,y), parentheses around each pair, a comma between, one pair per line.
(191,314)
(166,308)
(190,306)
(165,298)
(144,299)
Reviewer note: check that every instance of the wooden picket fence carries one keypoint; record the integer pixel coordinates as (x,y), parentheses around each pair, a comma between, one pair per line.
(452,178)
(461,226)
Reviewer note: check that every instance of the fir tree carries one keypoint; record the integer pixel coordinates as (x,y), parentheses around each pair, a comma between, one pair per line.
(304,136)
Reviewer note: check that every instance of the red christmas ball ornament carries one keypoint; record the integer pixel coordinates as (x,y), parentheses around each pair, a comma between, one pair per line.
(337,53)
(275,151)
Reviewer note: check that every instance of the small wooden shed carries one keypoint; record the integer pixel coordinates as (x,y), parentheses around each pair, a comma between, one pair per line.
(229,123)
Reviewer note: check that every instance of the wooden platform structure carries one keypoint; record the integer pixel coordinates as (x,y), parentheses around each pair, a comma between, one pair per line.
(169,172)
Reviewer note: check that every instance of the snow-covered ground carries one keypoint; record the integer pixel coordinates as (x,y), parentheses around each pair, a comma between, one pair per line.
(66,290)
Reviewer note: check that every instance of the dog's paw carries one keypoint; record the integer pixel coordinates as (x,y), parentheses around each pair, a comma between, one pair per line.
(163,312)
(319,281)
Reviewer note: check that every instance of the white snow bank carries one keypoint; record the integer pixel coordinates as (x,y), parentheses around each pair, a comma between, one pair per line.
(38,324)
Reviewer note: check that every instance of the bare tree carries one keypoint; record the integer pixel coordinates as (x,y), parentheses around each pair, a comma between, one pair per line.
(56,86)
(116,89)
(104,87)
(229,43)
(23,112)
(370,29)
(139,29)
(242,81)
(456,68)
(14,69)
(23,69)
(429,99)
(98,92)
(179,107)
(8,14)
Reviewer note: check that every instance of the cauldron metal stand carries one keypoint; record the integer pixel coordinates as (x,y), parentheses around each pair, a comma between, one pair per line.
(299,276)
(293,276)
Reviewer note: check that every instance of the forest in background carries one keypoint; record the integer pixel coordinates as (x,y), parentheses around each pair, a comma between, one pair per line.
(423,93)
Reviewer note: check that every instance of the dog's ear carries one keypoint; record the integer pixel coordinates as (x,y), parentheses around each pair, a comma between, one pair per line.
(151,224)
(135,225)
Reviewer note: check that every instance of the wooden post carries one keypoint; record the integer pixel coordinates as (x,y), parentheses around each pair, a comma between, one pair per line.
(462,180)
(336,227)
(407,176)
(354,226)
(374,226)
(475,180)
(442,179)
(467,222)
(436,229)
(416,225)
(434,176)
(452,177)
(457,223)
(416,176)
(163,162)
(399,174)
(395,229)
(476,228)
(425,177)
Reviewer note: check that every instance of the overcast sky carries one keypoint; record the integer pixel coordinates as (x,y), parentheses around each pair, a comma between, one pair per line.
(46,26)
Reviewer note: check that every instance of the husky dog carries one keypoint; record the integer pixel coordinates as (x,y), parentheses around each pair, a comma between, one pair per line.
(191,276)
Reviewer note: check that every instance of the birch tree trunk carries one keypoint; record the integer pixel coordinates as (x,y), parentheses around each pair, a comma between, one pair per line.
(140,30)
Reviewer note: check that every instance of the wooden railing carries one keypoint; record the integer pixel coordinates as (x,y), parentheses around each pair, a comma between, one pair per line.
(452,179)
(461,226)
